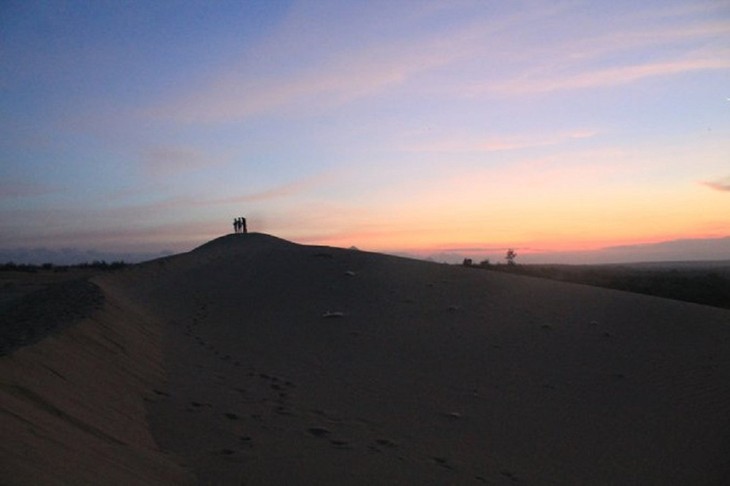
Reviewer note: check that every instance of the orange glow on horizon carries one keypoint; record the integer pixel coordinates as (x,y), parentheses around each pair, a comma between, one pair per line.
(558,213)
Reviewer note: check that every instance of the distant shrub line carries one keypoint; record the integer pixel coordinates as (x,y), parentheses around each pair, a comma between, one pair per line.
(31,268)
(705,287)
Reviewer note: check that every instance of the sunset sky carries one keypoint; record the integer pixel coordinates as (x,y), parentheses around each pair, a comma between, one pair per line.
(420,127)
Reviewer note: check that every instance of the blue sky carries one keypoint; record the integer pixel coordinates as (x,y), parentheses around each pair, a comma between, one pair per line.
(412,126)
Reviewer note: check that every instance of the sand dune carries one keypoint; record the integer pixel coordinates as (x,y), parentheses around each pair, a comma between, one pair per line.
(253,360)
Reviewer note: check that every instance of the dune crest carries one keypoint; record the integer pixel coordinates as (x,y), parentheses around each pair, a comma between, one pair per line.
(230,244)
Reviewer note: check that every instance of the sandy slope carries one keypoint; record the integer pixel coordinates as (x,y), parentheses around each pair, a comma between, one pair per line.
(72,407)
(433,375)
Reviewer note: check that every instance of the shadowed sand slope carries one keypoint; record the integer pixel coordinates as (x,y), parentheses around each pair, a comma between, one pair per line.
(291,364)
(72,406)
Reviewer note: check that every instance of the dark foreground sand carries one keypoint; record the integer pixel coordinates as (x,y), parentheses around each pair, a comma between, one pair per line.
(220,367)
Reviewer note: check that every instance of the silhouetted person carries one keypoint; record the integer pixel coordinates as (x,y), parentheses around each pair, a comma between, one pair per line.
(237,225)
(243,225)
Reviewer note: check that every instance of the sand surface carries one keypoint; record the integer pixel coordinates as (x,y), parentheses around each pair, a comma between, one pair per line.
(73,405)
(258,361)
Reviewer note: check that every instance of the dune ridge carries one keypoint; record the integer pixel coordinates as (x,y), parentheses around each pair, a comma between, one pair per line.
(25,320)
(279,363)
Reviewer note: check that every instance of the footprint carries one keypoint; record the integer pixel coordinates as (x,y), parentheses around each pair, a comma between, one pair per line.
(281,410)
(443,462)
(318,431)
(508,474)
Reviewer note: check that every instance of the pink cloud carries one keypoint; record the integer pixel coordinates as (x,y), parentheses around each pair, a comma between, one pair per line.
(496,144)
(332,82)
(577,59)
(627,40)
(155,209)
(610,76)
(13,189)
(271,80)
(280,191)
(117,228)
(719,185)
(169,160)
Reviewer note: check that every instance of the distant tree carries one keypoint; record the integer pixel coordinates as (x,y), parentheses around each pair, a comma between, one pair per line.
(468,262)
(510,256)
(485,263)
(117,264)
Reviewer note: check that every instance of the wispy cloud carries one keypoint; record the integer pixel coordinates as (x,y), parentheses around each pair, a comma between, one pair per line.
(280,191)
(238,95)
(719,185)
(639,40)
(673,46)
(338,74)
(168,160)
(14,189)
(609,76)
(461,144)
(161,208)
(477,249)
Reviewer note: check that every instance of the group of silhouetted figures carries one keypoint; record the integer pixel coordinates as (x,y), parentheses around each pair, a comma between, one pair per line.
(239,226)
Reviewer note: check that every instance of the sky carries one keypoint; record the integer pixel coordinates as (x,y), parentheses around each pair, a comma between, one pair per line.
(414,127)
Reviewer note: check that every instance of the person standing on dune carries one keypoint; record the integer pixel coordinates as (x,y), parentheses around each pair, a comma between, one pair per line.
(243,225)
